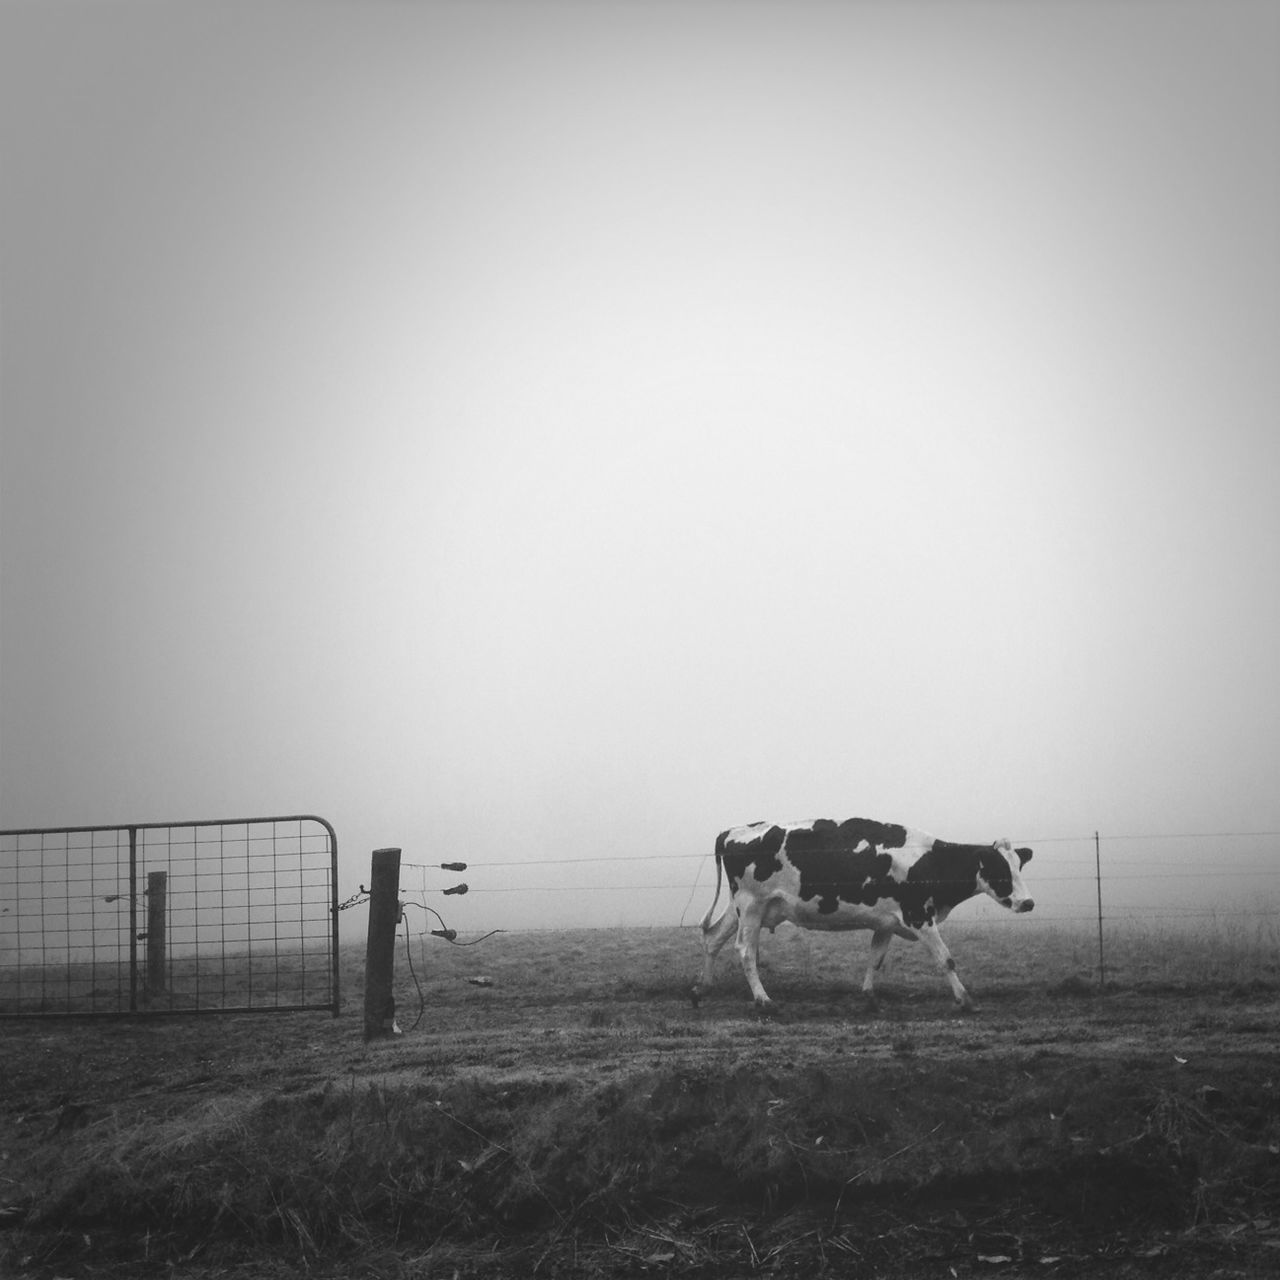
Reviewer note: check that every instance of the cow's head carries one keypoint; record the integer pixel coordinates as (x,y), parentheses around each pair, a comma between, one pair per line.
(1000,875)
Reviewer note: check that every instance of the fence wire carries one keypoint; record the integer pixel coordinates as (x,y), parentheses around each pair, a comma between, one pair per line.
(1063,895)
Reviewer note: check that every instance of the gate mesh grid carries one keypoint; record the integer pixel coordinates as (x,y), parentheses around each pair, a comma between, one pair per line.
(226,916)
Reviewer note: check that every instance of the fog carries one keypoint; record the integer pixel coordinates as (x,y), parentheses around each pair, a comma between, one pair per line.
(560,431)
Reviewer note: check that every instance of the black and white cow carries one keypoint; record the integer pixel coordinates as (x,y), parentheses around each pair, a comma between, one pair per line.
(857,874)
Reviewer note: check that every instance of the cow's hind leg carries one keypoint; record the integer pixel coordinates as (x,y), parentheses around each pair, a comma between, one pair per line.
(747,945)
(938,949)
(714,938)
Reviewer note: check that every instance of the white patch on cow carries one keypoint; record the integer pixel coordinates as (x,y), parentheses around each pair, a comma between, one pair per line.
(904,860)
(848,916)
(917,844)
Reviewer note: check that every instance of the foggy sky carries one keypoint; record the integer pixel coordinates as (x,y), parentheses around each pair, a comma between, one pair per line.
(532,431)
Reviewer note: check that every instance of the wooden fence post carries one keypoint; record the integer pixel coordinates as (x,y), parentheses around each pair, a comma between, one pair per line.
(379,961)
(157,891)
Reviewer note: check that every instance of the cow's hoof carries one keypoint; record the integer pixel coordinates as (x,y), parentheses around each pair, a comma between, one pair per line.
(695,997)
(967,1006)
(766,1007)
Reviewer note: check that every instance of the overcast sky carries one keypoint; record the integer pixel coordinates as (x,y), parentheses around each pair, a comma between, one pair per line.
(564,430)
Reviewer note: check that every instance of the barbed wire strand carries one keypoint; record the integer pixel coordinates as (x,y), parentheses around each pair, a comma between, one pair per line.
(672,857)
(1002,921)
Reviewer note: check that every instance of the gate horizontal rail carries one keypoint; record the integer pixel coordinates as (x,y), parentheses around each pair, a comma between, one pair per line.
(218,915)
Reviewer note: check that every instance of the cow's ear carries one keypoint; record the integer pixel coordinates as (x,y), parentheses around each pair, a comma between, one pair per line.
(1024,856)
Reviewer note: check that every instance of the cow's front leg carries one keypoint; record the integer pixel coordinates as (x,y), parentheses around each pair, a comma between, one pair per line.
(713,939)
(747,945)
(932,939)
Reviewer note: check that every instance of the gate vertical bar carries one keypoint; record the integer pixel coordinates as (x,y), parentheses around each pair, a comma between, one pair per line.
(157,902)
(380,954)
(1097,865)
(333,913)
(133,919)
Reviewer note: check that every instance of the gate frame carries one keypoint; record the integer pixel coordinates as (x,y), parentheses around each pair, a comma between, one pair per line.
(133,828)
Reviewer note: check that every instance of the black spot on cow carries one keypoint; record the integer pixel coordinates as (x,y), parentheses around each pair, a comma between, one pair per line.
(941,880)
(836,876)
(760,854)
(840,861)
(845,837)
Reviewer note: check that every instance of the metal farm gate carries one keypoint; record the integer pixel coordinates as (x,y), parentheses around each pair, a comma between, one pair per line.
(227,916)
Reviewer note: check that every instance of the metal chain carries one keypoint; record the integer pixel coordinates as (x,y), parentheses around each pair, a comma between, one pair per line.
(355,900)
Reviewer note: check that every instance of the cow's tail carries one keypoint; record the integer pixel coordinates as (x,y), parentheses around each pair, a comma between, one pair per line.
(711,910)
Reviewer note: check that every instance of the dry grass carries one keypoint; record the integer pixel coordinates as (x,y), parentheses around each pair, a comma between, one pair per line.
(578,1116)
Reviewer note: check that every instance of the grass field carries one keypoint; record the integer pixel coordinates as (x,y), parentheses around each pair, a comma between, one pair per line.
(574,1115)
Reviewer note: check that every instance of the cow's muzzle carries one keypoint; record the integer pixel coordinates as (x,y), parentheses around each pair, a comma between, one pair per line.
(1027,904)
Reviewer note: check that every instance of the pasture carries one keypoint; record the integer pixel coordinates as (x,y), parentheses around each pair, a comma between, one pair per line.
(572,1114)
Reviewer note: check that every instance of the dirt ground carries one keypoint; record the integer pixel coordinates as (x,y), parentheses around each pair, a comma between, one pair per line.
(1062,1130)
